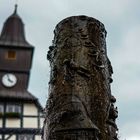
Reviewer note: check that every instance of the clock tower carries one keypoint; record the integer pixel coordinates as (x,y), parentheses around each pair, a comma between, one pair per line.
(15,55)
(20,111)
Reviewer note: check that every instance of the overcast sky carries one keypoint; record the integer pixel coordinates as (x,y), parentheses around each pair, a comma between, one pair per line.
(122,21)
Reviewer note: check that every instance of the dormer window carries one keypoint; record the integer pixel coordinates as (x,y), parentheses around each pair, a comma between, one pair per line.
(13,111)
(11,55)
(13,108)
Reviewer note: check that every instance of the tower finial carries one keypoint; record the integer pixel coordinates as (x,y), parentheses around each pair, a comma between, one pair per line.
(15,8)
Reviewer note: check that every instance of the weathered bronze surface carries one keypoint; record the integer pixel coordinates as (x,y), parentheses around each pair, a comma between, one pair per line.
(80,105)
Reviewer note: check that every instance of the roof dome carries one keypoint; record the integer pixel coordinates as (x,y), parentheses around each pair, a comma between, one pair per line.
(13,31)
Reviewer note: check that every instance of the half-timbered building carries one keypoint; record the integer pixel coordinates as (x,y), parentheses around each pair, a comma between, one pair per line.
(21,114)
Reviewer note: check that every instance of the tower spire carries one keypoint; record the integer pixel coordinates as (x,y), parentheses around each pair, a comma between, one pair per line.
(13,33)
(15,11)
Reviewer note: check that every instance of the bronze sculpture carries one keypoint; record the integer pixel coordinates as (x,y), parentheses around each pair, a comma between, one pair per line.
(80,104)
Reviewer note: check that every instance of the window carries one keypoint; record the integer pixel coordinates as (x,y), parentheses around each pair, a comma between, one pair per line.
(13,108)
(17,109)
(1,108)
(25,137)
(11,55)
(9,108)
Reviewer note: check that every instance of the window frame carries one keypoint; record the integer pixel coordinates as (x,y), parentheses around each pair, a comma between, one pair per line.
(11,55)
(11,108)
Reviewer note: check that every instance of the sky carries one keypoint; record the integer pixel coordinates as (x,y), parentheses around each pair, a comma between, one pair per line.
(122,22)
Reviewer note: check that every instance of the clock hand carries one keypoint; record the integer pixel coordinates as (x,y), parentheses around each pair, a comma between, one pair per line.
(9,79)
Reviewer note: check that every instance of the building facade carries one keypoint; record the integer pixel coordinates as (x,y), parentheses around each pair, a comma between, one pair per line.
(21,115)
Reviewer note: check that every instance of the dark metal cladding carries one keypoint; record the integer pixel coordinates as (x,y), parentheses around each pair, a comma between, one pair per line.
(80,105)
(13,31)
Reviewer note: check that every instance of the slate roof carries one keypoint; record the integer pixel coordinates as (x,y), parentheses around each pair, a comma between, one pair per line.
(19,96)
(13,33)
(24,95)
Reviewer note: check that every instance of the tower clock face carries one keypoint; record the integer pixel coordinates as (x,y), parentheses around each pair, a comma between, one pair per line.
(9,80)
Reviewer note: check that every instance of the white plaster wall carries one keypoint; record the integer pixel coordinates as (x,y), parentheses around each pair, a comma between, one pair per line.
(30,109)
(37,137)
(40,113)
(30,122)
(0,122)
(11,138)
(14,123)
(41,122)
